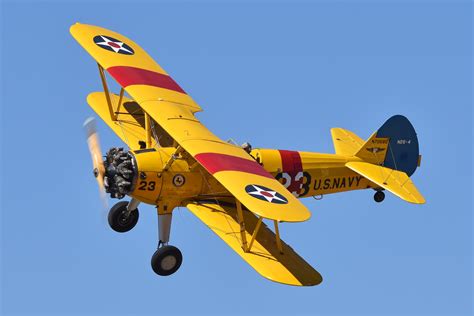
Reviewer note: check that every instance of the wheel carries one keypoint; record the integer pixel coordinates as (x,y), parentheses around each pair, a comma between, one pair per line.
(166,260)
(118,220)
(379,196)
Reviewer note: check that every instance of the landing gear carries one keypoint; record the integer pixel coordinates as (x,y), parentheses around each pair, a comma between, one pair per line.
(379,196)
(123,216)
(167,259)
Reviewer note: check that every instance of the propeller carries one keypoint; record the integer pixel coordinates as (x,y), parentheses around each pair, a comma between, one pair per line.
(96,155)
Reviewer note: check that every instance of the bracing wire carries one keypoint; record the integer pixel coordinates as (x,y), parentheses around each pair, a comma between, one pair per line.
(218,203)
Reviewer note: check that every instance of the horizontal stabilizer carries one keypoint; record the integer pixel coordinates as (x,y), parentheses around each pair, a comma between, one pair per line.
(391,180)
(264,256)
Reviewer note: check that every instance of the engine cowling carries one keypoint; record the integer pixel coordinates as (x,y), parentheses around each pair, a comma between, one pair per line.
(140,174)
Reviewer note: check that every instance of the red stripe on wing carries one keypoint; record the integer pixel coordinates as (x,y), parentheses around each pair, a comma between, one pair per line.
(214,162)
(128,76)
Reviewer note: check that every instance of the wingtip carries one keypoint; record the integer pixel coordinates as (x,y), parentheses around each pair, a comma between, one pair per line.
(421,201)
(72,27)
(75,26)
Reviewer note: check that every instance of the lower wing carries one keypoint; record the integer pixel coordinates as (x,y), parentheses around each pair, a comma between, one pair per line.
(264,255)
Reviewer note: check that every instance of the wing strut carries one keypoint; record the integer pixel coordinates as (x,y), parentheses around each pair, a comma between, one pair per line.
(240,217)
(277,236)
(107,95)
(120,101)
(147,130)
(255,232)
(173,157)
(248,246)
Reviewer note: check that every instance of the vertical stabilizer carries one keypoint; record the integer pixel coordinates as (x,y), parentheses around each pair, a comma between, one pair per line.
(394,145)
(403,151)
(374,150)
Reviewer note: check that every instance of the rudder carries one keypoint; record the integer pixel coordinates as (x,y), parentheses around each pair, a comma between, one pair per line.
(394,145)
(403,149)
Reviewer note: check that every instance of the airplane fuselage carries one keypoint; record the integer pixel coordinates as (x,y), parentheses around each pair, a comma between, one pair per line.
(303,173)
(311,174)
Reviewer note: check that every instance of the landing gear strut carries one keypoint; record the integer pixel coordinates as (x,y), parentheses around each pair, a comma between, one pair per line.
(379,196)
(167,259)
(123,216)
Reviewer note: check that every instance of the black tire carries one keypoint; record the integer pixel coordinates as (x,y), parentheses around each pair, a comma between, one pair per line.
(117,219)
(379,196)
(166,260)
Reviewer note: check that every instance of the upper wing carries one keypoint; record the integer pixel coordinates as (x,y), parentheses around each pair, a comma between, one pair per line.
(130,65)
(173,110)
(236,170)
(394,181)
(345,142)
(287,267)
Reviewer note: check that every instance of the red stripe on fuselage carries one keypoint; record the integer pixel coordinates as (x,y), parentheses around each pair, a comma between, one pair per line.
(214,162)
(128,76)
(291,161)
(292,165)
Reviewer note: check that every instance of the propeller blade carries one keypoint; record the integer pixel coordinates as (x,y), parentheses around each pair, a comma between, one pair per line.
(96,155)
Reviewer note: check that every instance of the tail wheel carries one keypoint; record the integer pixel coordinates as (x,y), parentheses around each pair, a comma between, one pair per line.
(166,260)
(120,219)
(379,196)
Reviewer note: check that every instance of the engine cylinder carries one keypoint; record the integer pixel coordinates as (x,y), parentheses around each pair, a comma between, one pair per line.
(120,172)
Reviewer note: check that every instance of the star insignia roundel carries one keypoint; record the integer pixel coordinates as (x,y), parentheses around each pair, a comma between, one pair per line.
(265,194)
(113,45)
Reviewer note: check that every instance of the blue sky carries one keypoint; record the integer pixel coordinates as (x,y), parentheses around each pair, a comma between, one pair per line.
(276,74)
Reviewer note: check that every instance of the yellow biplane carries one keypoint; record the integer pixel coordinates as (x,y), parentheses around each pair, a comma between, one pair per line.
(174,160)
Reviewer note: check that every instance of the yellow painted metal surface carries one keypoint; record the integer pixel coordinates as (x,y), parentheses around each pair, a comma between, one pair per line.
(345,142)
(270,159)
(264,256)
(85,35)
(394,181)
(152,185)
(327,174)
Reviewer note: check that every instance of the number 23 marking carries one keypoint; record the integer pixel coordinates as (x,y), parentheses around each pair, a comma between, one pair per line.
(147,186)
(302,178)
